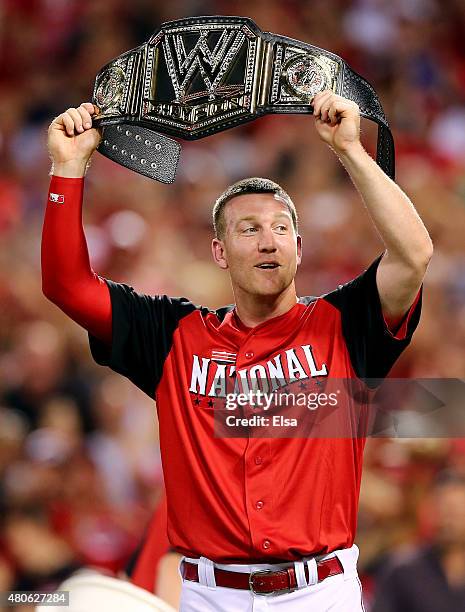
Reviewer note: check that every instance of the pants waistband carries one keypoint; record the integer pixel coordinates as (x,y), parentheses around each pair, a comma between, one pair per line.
(348,558)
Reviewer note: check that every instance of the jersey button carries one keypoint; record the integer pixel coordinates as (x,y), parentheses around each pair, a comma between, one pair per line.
(259,505)
(249,355)
(266,544)
(258,460)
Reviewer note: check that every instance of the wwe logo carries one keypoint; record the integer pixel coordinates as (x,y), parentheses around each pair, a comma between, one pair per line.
(212,65)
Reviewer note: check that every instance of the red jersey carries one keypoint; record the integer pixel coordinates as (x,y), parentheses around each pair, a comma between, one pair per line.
(245,499)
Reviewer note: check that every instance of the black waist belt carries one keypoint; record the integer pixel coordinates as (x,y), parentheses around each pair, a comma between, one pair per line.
(202,75)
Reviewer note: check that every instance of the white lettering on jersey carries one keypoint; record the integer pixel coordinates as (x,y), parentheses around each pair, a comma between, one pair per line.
(199,375)
(314,371)
(259,378)
(294,366)
(218,388)
(275,369)
(265,378)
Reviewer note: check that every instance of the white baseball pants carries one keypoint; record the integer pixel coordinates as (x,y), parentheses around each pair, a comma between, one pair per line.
(340,593)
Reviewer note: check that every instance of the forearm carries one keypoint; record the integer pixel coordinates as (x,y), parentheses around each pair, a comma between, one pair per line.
(67,277)
(393,214)
(408,246)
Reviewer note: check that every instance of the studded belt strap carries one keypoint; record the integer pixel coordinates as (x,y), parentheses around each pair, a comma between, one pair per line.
(198,76)
(265,582)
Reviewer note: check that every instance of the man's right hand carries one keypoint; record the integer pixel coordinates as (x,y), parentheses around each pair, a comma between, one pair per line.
(72,140)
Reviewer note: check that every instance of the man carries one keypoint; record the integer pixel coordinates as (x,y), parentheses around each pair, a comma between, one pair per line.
(236,505)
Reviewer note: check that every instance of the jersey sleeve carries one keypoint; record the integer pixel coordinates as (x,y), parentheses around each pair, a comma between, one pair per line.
(142,334)
(67,277)
(372,346)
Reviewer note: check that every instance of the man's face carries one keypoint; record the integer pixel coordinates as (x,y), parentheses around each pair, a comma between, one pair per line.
(260,247)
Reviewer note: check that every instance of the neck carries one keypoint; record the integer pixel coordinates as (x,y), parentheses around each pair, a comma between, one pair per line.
(255,309)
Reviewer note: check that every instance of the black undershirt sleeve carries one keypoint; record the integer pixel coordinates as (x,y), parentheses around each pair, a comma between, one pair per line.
(372,347)
(142,334)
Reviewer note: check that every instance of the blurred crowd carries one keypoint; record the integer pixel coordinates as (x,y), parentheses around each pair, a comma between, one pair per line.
(80,469)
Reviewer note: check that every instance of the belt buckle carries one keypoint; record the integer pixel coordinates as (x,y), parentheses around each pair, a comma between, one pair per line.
(257,573)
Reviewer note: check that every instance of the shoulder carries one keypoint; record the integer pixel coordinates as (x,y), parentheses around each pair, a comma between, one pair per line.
(125,297)
(360,289)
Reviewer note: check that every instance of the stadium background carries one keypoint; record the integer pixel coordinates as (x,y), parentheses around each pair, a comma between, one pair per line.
(79,462)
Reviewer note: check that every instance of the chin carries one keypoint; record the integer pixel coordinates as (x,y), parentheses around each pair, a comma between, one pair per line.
(270,289)
(261,287)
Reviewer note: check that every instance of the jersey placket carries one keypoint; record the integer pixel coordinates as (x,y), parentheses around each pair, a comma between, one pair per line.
(258,477)
(258,469)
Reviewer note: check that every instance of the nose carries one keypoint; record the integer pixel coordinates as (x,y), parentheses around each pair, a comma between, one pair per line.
(266,242)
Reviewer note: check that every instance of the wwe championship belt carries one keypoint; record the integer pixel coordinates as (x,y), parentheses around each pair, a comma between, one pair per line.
(202,75)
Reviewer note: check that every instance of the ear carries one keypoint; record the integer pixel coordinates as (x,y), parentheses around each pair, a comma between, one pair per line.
(219,253)
(299,249)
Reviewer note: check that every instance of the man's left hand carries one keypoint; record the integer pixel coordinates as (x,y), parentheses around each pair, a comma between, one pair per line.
(337,120)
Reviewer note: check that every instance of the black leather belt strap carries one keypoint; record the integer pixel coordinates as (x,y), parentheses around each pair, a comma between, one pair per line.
(202,75)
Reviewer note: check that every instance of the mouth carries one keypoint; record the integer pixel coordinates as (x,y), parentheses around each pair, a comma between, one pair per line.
(268,265)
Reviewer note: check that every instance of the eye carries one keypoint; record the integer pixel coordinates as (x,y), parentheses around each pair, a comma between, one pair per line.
(249,230)
(281,229)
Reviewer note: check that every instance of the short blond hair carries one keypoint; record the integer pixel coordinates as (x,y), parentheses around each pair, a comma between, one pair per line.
(249,185)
